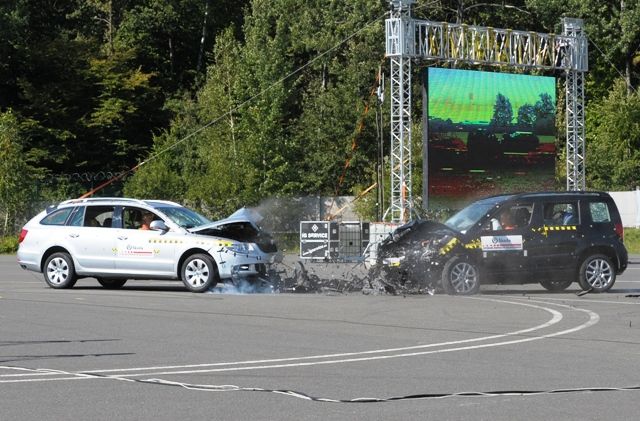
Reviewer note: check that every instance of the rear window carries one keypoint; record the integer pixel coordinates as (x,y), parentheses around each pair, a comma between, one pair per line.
(58,217)
(599,212)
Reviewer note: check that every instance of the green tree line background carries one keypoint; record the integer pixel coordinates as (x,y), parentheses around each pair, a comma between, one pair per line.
(229,102)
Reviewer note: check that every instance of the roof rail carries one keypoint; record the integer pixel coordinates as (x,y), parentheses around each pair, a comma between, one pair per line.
(119,199)
(102,199)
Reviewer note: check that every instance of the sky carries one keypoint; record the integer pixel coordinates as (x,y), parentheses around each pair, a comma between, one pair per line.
(469,96)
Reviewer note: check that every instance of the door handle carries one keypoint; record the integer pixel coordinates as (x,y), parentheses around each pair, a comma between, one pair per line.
(74,235)
(122,237)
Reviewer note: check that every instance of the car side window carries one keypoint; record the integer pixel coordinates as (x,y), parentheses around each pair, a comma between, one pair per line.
(138,218)
(58,217)
(77,217)
(562,213)
(599,212)
(511,217)
(98,216)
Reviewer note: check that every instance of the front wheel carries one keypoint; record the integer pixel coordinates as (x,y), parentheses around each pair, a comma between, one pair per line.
(460,277)
(59,272)
(199,273)
(597,273)
(111,283)
(556,286)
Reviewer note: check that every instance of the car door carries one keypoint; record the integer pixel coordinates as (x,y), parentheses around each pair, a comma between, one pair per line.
(90,243)
(144,252)
(504,238)
(557,233)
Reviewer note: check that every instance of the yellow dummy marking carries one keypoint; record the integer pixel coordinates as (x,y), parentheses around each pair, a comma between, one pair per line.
(545,229)
(475,244)
(449,246)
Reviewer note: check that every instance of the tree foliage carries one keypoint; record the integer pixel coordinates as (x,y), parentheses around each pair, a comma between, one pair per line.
(15,173)
(613,153)
(228,102)
(272,129)
(502,112)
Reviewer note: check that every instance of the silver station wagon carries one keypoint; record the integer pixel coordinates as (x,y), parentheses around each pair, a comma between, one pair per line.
(116,239)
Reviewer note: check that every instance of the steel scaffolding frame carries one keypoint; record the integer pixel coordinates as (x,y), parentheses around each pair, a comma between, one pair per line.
(400,44)
(575,108)
(409,39)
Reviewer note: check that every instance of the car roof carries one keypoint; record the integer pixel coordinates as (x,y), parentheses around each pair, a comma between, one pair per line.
(560,195)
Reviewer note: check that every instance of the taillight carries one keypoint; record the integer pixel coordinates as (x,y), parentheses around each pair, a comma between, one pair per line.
(23,234)
(620,231)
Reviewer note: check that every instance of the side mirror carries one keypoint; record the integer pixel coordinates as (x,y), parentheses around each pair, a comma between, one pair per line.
(159,226)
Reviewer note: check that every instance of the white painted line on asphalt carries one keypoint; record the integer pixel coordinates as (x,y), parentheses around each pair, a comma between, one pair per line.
(556,317)
(586,300)
(297,361)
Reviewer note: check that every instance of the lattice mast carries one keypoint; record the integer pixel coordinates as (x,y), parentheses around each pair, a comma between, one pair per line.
(400,48)
(575,105)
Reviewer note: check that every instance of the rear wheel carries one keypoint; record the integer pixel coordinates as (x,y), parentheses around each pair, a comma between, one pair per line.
(109,283)
(59,272)
(555,286)
(460,277)
(199,273)
(597,273)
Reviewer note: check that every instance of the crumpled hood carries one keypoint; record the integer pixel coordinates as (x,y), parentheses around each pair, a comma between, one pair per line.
(418,230)
(415,238)
(242,226)
(245,215)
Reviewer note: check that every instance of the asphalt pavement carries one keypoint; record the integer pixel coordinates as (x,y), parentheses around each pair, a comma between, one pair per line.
(153,351)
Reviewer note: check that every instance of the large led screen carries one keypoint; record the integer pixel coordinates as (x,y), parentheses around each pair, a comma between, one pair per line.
(488,133)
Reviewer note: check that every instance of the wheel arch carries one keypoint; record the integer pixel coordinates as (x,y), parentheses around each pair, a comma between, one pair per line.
(190,252)
(605,250)
(50,251)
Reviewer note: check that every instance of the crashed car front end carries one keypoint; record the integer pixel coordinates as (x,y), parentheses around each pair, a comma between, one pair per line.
(252,250)
(412,257)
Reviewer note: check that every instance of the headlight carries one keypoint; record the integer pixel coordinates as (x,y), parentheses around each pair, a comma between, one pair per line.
(240,248)
(392,261)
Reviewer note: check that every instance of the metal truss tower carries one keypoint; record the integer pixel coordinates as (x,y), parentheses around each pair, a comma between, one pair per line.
(408,39)
(400,48)
(575,107)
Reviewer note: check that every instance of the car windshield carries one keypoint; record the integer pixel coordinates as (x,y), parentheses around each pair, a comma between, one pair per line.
(184,217)
(469,216)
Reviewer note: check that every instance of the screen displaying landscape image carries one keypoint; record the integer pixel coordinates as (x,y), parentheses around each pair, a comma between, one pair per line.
(488,133)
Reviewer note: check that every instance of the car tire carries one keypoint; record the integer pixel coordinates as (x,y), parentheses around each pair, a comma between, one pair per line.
(556,286)
(460,277)
(59,271)
(596,273)
(110,283)
(199,273)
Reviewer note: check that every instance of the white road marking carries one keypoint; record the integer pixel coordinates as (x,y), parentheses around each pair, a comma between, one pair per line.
(586,300)
(123,374)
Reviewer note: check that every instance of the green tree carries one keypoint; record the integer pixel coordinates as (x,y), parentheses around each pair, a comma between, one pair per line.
(614,35)
(502,112)
(125,108)
(15,173)
(271,131)
(526,115)
(545,112)
(613,140)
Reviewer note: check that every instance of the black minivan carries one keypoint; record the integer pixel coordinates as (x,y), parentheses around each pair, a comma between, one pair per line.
(551,238)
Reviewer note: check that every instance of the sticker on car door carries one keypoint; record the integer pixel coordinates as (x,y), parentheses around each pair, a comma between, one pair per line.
(501,242)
